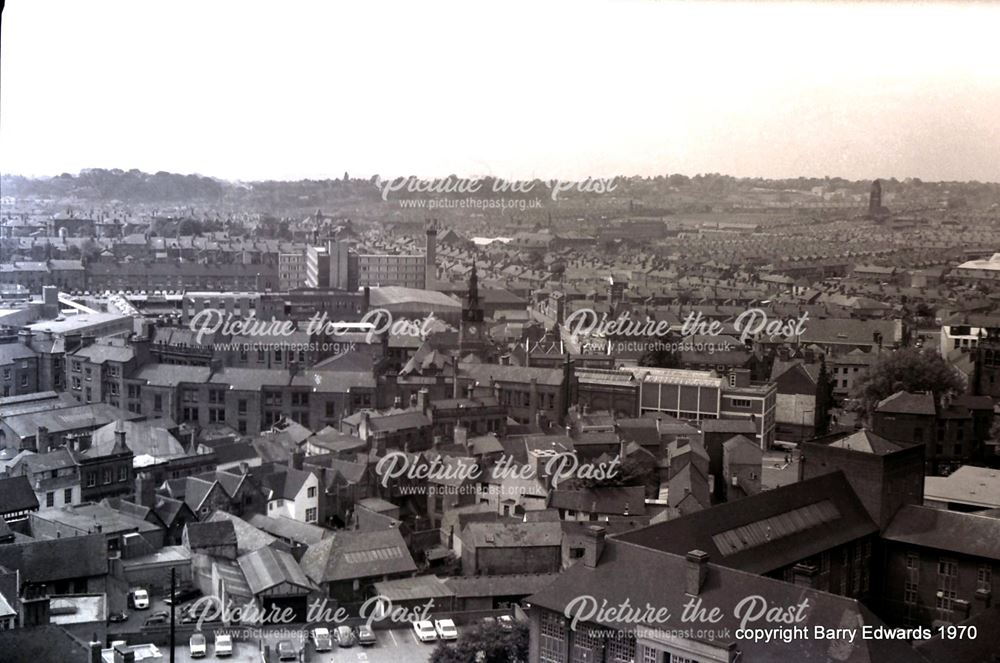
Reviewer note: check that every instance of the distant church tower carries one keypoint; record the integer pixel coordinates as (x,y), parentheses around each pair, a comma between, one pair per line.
(875,199)
(471,335)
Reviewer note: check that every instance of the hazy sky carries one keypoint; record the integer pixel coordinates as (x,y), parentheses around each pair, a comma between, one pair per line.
(286,90)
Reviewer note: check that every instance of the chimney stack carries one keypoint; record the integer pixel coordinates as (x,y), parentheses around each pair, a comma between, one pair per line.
(593,545)
(697,571)
(804,575)
(424,400)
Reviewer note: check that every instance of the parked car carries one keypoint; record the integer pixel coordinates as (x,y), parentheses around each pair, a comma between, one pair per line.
(157,618)
(118,617)
(365,635)
(286,651)
(223,644)
(182,596)
(321,639)
(138,598)
(344,636)
(506,622)
(445,629)
(198,645)
(424,631)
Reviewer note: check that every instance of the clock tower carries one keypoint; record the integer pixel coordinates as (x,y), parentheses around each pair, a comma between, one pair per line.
(471,333)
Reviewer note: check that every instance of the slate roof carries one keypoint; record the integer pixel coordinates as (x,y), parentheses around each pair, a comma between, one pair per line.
(866,441)
(210,534)
(627,500)
(50,560)
(358,554)
(16,494)
(289,528)
(795,521)
(954,531)
(266,568)
(644,576)
(904,402)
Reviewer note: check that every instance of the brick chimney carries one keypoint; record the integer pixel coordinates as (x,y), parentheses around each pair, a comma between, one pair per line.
(424,400)
(697,571)
(804,575)
(593,545)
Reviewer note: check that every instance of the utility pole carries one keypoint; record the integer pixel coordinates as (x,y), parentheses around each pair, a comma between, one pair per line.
(173,603)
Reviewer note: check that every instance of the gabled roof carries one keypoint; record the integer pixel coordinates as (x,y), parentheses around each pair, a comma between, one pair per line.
(767,531)
(358,554)
(266,568)
(16,494)
(210,534)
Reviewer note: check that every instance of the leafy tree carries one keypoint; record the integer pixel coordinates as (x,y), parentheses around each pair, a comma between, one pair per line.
(485,644)
(909,369)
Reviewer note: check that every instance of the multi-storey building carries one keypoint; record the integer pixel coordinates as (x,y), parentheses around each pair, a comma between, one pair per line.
(698,395)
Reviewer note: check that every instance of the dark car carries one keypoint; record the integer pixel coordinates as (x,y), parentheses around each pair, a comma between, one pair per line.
(117,617)
(286,651)
(183,596)
(159,617)
(364,635)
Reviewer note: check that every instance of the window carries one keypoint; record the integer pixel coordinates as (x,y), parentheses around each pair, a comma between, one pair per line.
(621,649)
(310,515)
(50,499)
(107,475)
(122,473)
(910,593)
(947,581)
(311,491)
(984,577)
(91,479)
(241,406)
(331,409)
(551,638)
(68,496)
(157,403)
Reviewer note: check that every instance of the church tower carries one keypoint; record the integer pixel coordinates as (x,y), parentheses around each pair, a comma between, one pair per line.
(471,334)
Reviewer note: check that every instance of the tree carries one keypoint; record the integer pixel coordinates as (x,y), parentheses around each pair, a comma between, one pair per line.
(487,643)
(909,369)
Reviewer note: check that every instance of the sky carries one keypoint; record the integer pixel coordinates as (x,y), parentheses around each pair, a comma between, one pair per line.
(570,89)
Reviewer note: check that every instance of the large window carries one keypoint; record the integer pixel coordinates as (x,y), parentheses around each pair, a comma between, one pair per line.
(621,649)
(551,638)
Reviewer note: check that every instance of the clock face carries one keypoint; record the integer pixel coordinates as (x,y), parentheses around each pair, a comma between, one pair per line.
(473,331)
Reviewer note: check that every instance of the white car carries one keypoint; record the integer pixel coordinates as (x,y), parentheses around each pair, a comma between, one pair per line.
(223,644)
(321,639)
(424,631)
(140,599)
(199,645)
(445,629)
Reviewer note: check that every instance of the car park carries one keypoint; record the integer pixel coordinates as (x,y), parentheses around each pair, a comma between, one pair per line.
(424,630)
(445,629)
